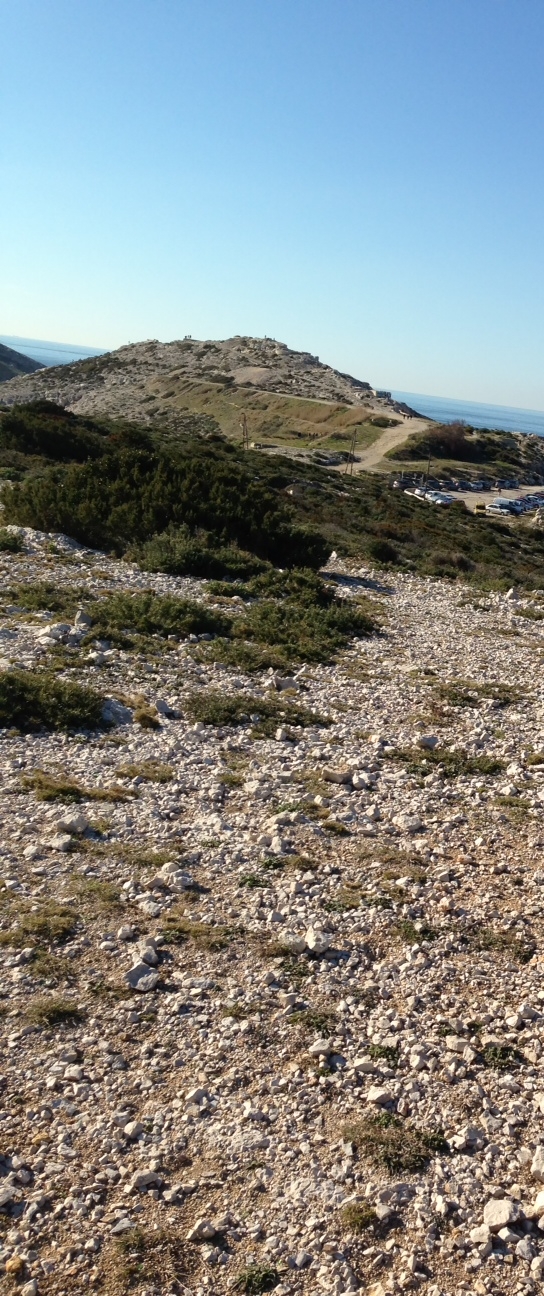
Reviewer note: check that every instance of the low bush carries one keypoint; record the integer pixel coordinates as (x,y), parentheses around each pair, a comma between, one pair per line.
(122,615)
(213,708)
(256,1279)
(145,489)
(305,632)
(38,700)
(178,553)
(40,596)
(10,542)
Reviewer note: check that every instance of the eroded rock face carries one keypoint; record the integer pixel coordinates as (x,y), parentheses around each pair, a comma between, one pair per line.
(334,972)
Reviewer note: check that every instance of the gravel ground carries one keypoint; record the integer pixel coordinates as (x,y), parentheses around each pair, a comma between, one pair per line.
(276,1021)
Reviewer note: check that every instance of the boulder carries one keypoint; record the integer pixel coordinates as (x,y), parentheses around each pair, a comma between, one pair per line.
(140,978)
(537,1164)
(343,774)
(500,1212)
(317,941)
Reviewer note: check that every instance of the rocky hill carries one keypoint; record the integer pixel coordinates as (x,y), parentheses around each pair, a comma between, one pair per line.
(150,379)
(13,364)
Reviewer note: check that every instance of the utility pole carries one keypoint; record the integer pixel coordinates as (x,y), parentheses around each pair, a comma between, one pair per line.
(245,433)
(428,471)
(351,453)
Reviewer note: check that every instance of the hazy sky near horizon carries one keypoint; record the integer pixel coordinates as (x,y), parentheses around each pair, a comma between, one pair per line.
(362,179)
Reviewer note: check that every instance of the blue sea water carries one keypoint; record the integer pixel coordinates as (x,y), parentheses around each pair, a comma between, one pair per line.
(506,417)
(50,353)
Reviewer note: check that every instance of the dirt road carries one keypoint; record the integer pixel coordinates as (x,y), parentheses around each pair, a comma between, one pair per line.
(372,458)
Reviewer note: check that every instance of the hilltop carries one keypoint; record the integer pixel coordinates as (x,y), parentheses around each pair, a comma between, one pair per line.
(289,398)
(13,364)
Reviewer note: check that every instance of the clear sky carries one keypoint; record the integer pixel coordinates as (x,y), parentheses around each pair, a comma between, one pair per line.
(362,179)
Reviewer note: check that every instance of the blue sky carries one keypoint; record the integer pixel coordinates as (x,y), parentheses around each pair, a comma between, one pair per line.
(363,179)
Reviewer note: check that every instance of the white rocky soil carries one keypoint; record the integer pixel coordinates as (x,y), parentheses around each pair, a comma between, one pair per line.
(356,967)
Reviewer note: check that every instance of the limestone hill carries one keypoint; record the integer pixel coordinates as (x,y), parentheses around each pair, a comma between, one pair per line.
(289,398)
(13,364)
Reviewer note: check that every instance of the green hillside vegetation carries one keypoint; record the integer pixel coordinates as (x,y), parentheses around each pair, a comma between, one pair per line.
(291,422)
(460,448)
(192,500)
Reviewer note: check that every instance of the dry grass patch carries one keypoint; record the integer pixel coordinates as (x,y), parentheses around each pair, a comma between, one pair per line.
(178,929)
(45,1011)
(135,1260)
(55,787)
(150,771)
(49,924)
(394,1145)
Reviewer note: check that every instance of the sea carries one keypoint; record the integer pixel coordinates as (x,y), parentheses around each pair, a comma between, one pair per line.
(51,353)
(445,410)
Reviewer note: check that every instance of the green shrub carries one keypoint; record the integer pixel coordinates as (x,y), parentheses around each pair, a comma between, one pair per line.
(306,633)
(32,701)
(10,542)
(382,551)
(50,431)
(246,657)
(141,492)
(148,614)
(256,1279)
(38,596)
(179,554)
(213,708)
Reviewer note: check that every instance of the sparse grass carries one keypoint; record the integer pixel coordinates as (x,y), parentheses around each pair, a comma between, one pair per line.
(320,1020)
(359,1217)
(49,924)
(52,787)
(389,1142)
(178,929)
(256,1279)
(147,717)
(519,947)
(346,898)
(142,1258)
(453,764)
(501,1057)
(37,700)
(214,708)
(530,613)
(95,897)
(150,771)
(468,693)
(413,935)
(335,828)
(53,1012)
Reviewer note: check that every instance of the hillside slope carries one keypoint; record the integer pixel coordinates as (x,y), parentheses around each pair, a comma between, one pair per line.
(14,364)
(283,393)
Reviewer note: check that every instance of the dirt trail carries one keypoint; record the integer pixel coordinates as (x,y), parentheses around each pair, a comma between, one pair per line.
(392,437)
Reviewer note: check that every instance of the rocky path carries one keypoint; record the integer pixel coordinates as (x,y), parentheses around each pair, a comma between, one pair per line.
(273,1011)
